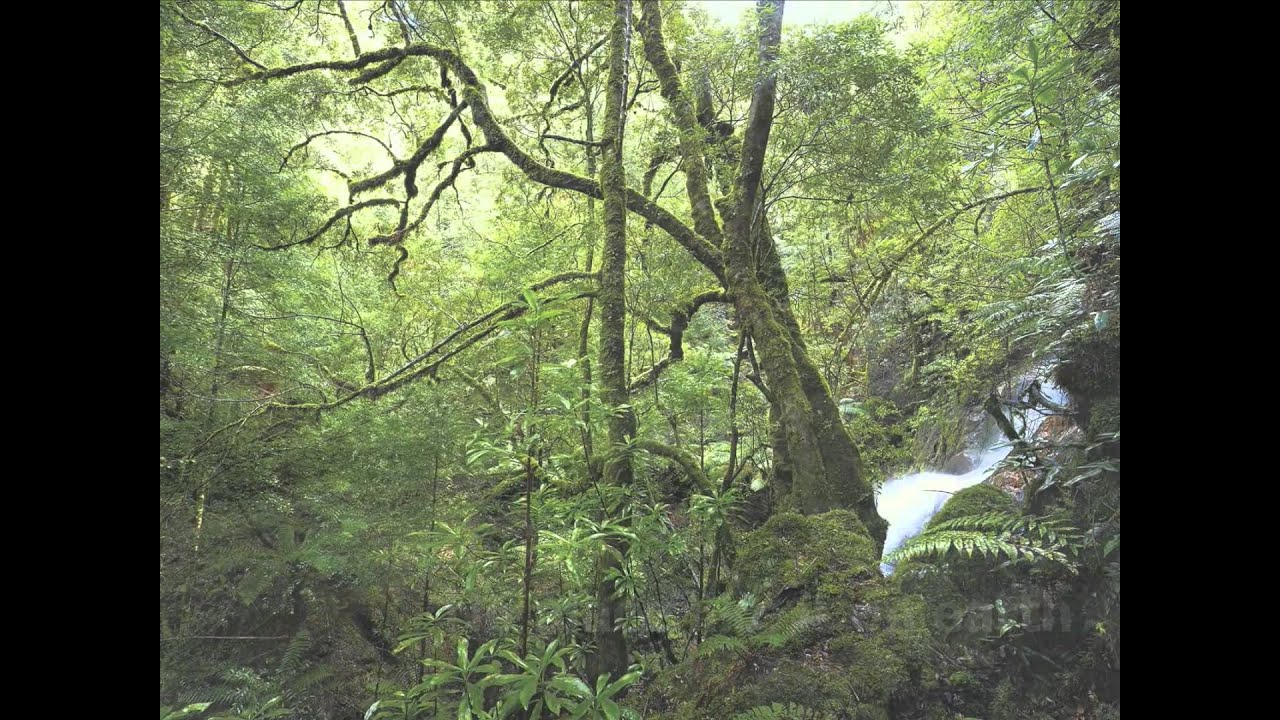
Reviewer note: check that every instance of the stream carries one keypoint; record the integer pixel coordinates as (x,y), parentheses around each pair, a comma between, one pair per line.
(908,501)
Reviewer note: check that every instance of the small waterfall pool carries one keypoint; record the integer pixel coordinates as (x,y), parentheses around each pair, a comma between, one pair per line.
(908,501)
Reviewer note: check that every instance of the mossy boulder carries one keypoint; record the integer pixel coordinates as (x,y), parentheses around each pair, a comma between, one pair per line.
(868,658)
(1105,417)
(805,682)
(875,669)
(975,500)
(821,557)
(952,586)
(888,665)
(1090,367)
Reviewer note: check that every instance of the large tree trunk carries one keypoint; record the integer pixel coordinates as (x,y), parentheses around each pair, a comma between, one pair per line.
(826,470)
(817,464)
(611,648)
(844,485)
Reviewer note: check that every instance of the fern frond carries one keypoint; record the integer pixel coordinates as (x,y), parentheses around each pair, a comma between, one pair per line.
(780,711)
(735,617)
(307,679)
(1053,306)
(790,630)
(995,535)
(294,658)
(717,644)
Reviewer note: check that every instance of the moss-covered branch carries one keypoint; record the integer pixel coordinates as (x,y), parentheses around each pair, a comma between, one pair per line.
(409,168)
(205,27)
(417,368)
(570,71)
(466,159)
(690,132)
(315,136)
(680,457)
(610,654)
(345,212)
(680,317)
(351,31)
(474,94)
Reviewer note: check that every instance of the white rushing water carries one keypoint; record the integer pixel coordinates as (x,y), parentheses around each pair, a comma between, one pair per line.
(908,501)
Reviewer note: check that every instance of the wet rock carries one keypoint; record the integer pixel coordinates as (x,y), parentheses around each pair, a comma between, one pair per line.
(1011,480)
(958,464)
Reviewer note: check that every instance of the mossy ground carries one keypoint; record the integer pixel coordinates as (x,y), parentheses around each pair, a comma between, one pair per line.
(869,658)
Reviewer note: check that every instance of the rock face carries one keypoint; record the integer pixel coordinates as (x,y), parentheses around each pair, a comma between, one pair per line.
(1060,443)
(957,464)
(1052,427)
(1013,481)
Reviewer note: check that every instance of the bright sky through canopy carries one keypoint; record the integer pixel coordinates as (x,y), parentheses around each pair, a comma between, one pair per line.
(797,12)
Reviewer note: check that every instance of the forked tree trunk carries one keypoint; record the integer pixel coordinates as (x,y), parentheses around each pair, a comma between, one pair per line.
(818,465)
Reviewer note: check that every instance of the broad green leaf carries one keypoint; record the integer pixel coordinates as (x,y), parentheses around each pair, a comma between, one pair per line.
(187,711)
(571,685)
(527,691)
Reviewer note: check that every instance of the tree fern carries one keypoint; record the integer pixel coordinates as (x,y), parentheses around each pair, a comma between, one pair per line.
(995,535)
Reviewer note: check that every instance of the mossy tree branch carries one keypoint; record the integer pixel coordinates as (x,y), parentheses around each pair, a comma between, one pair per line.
(345,212)
(680,317)
(205,27)
(681,458)
(691,134)
(475,95)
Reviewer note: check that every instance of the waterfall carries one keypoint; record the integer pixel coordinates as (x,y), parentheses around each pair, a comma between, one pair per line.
(907,502)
